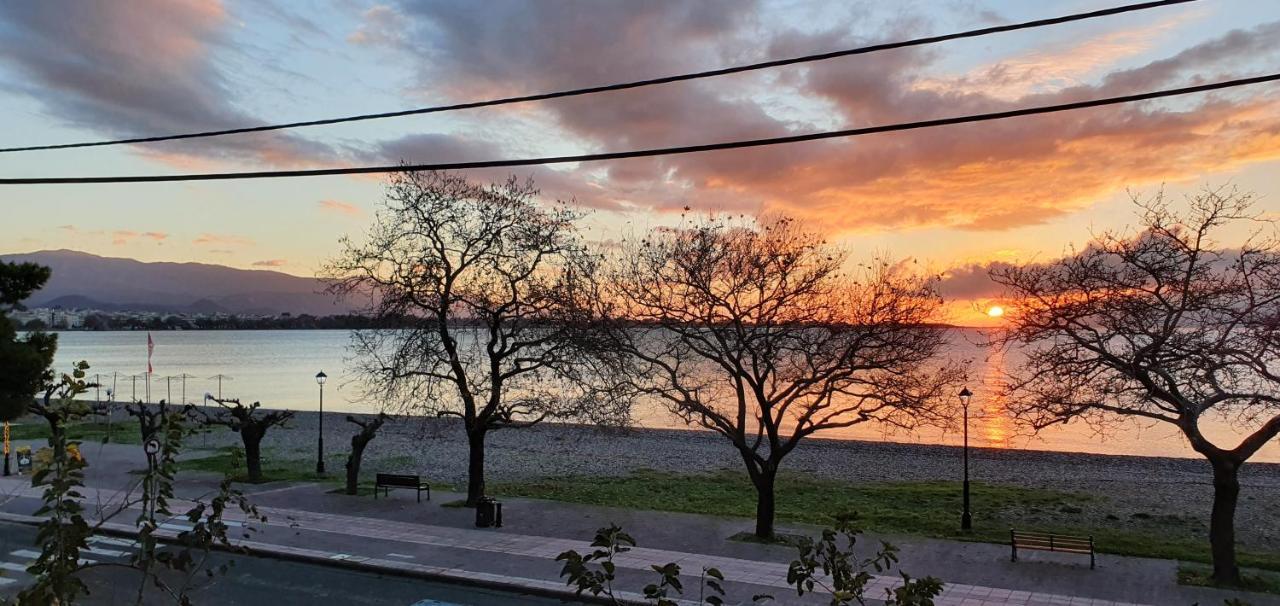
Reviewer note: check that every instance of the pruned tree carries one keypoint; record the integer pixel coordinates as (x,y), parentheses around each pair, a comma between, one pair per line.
(178,570)
(368,430)
(151,418)
(755,332)
(25,360)
(249,423)
(478,286)
(1164,324)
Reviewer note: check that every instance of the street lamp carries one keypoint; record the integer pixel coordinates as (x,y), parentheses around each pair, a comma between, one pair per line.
(966,517)
(320,379)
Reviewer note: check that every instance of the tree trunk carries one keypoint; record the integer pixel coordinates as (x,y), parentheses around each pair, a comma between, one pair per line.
(1222,525)
(475,468)
(252,454)
(353,464)
(765,504)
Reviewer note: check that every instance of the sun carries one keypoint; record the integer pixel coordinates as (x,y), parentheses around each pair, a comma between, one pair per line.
(995,311)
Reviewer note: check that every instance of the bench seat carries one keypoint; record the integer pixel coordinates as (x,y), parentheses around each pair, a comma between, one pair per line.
(1048,541)
(387,481)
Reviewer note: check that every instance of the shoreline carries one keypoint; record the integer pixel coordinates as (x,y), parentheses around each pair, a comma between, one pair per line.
(338,419)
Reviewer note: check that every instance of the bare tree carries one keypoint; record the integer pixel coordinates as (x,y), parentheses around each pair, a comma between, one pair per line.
(754,332)
(1160,325)
(246,421)
(368,430)
(151,418)
(478,288)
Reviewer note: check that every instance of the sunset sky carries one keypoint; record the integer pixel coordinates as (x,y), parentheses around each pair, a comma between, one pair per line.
(951,199)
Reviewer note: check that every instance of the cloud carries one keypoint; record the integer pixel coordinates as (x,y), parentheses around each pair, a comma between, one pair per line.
(143,67)
(121,237)
(555,183)
(270,263)
(341,208)
(381,25)
(221,239)
(988,176)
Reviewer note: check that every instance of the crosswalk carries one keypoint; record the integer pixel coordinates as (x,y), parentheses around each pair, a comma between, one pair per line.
(13,565)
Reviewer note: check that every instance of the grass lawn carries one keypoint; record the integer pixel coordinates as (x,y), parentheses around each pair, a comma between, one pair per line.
(229,461)
(1253,580)
(930,509)
(120,432)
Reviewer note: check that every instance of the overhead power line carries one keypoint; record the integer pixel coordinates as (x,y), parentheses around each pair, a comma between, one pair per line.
(661,151)
(974,33)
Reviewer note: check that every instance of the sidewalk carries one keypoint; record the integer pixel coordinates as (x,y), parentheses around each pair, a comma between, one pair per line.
(399,535)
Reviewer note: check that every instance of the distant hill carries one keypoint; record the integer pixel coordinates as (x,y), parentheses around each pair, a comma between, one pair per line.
(83,280)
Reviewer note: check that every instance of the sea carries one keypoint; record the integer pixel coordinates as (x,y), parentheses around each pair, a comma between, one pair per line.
(278,368)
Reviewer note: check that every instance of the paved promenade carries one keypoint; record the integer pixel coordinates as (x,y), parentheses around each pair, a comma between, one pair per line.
(399,536)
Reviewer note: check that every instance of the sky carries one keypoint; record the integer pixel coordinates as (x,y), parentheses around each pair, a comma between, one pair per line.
(951,200)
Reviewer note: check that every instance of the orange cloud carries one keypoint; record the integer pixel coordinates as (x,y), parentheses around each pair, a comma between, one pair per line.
(221,239)
(990,176)
(342,208)
(121,237)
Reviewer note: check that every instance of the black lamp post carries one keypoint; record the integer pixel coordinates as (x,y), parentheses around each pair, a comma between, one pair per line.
(966,517)
(320,379)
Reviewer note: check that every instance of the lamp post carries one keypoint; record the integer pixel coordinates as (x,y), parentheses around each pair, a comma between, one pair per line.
(111,400)
(320,379)
(966,517)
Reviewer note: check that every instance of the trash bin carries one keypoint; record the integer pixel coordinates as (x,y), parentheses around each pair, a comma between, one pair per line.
(24,459)
(488,513)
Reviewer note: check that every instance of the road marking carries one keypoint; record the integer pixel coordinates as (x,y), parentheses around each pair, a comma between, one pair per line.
(86,561)
(13,567)
(110,553)
(113,541)
(178,527)
(7,580)
(25,553)
(400,555)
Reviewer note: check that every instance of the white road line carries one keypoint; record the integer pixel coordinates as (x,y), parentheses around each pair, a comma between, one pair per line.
(25,553)
(7,581)
(178,527)
(13,567)
(113,541)
(84,561)
(400,555)
(110,553)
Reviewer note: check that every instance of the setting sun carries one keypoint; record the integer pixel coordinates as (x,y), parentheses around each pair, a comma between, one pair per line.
(995,311)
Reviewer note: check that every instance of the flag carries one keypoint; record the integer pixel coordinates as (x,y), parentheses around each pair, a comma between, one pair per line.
(151,347)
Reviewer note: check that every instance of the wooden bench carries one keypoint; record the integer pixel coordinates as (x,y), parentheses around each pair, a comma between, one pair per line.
(387,481)
(1046,541)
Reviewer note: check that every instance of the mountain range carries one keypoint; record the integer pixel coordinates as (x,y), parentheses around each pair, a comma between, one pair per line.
(87,281)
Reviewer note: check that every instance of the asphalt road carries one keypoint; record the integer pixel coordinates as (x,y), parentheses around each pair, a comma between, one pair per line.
(250,580)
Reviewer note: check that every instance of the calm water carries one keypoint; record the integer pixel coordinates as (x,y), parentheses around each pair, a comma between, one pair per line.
(278,368)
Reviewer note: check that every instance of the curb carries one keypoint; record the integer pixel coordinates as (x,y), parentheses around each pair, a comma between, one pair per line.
(480,580)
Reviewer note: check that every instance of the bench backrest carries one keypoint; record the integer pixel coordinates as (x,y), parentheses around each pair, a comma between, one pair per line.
(398,479)
(1051,541)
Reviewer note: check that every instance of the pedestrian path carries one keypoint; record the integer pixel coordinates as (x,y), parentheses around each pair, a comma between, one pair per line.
(364,541)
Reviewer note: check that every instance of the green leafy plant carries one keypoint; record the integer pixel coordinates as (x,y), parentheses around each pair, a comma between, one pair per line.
(595,572)
(59,468)
(830,564)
